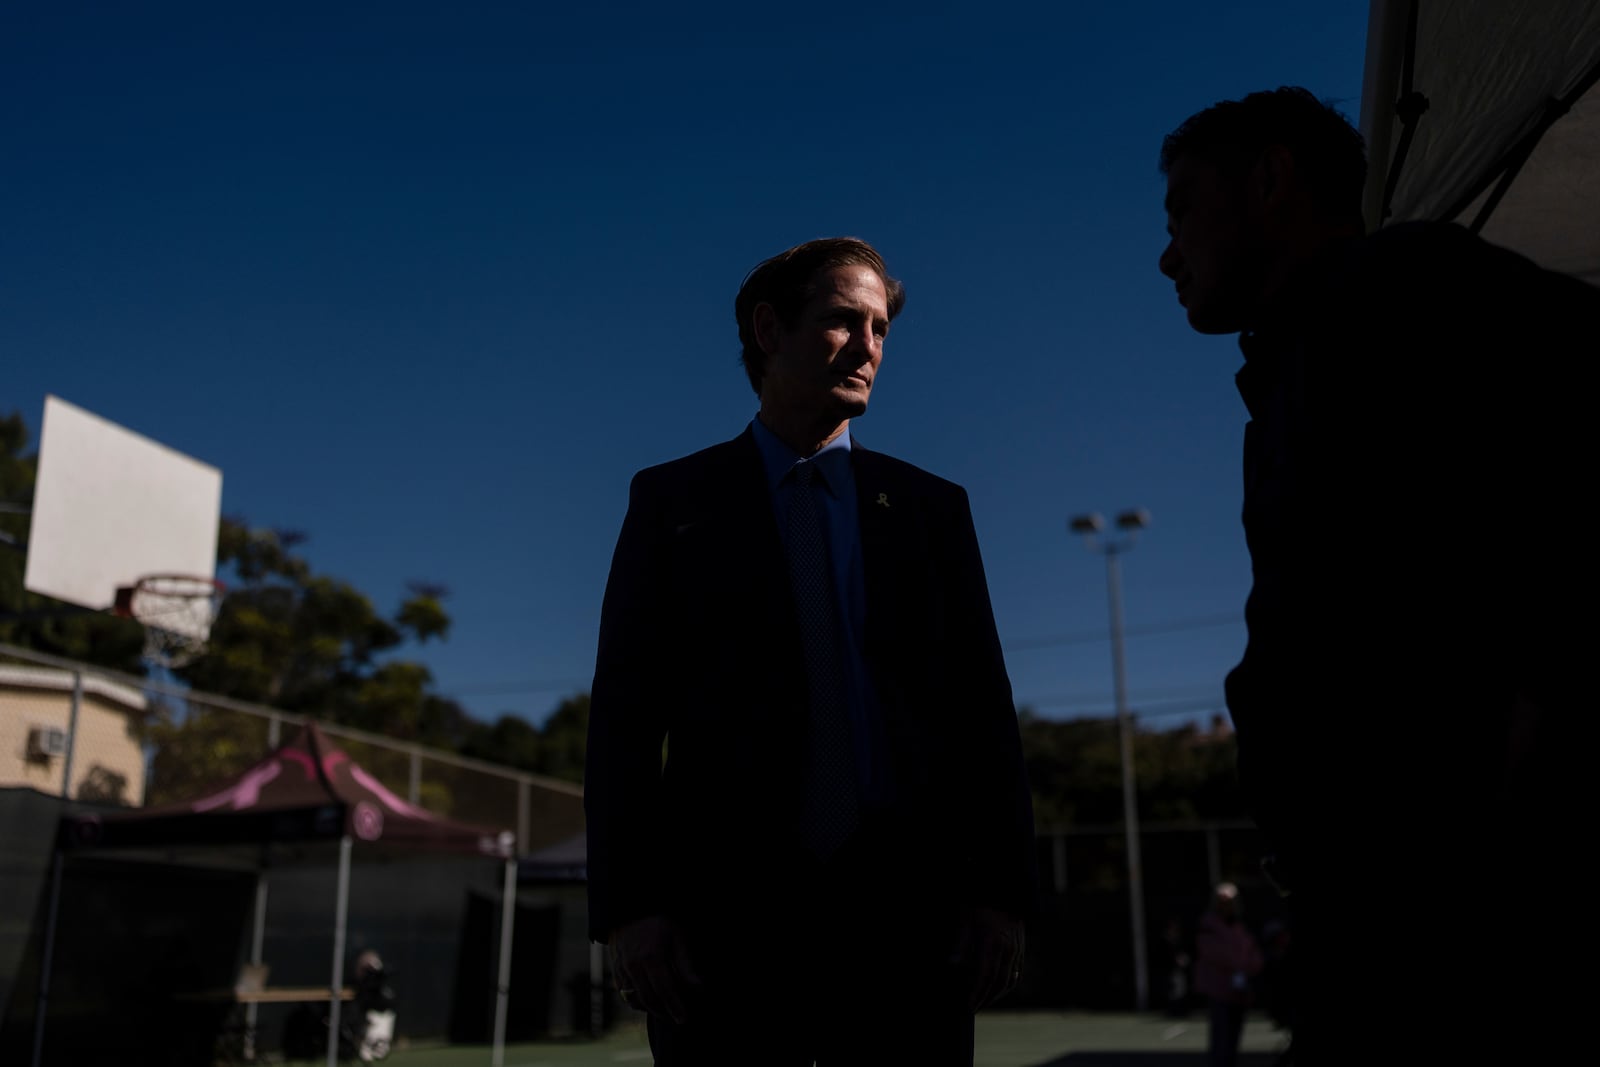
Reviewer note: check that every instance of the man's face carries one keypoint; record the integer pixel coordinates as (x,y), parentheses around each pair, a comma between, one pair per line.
(1215,254)
(823,363)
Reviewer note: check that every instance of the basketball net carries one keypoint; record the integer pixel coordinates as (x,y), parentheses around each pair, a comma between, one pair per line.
(176,611)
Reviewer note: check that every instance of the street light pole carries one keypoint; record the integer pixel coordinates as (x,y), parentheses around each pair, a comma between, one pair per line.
(1092,525)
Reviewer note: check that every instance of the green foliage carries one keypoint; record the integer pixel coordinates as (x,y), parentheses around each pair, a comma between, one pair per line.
(511,740)
(200,751)
(1075,770)
(556,749)
(423,615)
(565,737)
(311,644)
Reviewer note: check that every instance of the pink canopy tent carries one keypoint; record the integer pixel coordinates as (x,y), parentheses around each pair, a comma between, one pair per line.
(306,789)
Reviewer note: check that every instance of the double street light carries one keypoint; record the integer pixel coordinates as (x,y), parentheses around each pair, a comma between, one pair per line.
(1093,527)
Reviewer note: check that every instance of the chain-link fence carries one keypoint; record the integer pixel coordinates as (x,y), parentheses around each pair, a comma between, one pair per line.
(67,729)
(87,734)
(1081,948)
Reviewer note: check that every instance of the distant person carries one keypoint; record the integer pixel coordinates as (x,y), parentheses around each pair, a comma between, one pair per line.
(810,832)
(1407,707)
(1227,960)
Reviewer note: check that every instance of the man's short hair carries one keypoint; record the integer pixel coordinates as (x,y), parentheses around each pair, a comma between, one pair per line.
(787,281)
(1329,154)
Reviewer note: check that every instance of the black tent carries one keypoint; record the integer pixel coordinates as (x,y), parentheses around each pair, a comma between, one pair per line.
(305,791)
(563,863)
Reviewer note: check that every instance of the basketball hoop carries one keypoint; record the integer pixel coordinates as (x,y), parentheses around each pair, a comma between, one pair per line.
(176,610)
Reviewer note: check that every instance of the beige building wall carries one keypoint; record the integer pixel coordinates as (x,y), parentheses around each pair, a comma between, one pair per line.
(107,760)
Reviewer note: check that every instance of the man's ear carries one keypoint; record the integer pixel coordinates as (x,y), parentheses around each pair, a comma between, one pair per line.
(764,320)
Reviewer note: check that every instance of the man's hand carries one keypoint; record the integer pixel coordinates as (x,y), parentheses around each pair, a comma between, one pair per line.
(650,962)
(990,952)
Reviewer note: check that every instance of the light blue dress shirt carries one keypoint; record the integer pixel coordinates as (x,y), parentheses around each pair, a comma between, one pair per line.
(836,477)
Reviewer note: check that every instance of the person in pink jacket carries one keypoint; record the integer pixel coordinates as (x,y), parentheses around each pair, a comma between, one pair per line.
(1227,957)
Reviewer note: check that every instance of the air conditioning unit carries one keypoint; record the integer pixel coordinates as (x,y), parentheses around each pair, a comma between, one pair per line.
(46,741)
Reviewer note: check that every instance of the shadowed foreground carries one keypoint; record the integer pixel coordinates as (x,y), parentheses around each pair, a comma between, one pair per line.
(1035,1039)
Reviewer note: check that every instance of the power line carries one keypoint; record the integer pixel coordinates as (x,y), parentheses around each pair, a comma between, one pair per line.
(1220,707)
(1091,636)
(1194,691)
(548,685)
(1146,712)
(1144,695)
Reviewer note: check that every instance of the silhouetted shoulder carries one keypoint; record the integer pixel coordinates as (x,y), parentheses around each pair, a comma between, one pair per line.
(705,466)
(906,474)
(1447,262)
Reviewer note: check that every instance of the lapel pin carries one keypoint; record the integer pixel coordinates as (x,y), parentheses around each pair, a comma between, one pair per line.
(883,500)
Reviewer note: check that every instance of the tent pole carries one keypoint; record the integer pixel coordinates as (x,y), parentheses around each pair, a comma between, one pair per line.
(258,931)
(340,916)
(1380,87)
(49,952)
(508,917)
(597,989)
(72,735)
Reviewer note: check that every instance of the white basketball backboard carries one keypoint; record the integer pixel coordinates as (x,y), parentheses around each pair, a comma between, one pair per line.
(111,506)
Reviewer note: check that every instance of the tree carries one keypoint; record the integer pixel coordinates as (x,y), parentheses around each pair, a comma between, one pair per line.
(314,645)
(307,644)
(1075,770)
(564,739)
(199,750)
(556,749)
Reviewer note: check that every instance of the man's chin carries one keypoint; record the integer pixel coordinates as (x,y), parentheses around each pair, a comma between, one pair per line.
(850,403)
(1207,321)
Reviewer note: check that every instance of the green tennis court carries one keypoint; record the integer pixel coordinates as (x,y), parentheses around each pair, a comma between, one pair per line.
(1033,1039)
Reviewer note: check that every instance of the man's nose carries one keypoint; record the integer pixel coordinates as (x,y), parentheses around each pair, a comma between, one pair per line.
(864,341)
(1170,260)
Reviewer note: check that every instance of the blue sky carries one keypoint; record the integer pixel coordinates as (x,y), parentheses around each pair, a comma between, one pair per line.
(431,282)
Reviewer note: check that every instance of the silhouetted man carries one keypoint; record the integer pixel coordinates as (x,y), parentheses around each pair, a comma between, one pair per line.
(810,834)
(1407,705)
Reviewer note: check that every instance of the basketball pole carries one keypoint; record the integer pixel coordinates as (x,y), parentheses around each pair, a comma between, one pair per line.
(341,916)
(258,932)
(41,1011)
(508,918)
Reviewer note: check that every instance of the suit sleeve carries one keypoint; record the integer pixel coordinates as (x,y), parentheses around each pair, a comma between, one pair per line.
(627,726)
(1000,803)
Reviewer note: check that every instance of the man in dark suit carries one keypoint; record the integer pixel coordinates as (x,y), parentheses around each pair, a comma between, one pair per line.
(1411,705)
(810,833)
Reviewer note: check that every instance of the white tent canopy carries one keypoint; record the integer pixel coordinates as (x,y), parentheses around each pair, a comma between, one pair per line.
(1487,113)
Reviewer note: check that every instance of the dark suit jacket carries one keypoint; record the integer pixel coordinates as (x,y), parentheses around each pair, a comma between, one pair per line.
(699,709)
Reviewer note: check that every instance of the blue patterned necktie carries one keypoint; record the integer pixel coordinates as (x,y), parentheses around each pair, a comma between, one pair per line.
(830,808)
